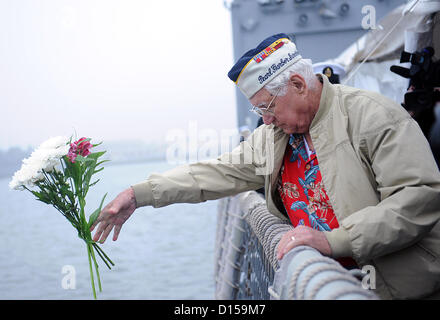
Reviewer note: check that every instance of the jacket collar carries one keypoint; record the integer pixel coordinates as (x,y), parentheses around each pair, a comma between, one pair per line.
(327,96)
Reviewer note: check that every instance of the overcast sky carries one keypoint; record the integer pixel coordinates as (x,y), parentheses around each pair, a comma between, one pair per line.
(113,69)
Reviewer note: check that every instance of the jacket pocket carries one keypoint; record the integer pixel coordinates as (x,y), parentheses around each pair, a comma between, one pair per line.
(412,273)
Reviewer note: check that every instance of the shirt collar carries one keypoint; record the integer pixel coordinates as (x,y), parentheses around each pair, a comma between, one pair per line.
(297,141)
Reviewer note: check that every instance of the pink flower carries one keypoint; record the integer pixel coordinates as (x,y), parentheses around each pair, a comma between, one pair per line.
(81,147)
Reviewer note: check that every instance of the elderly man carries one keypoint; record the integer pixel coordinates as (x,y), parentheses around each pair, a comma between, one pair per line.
(351,170)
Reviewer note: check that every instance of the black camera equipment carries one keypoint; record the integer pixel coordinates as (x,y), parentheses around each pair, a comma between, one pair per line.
(424,75)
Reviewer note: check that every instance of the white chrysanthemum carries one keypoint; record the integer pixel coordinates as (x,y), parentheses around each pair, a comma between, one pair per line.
(46,157)
(26,176)
(54,143)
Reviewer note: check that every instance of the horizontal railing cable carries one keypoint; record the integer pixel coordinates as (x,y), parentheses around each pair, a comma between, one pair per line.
(247,266)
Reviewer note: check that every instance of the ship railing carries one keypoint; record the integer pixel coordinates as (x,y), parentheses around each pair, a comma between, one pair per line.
(246,266)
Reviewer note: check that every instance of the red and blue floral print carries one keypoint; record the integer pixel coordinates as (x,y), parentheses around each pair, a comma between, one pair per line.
(302,190)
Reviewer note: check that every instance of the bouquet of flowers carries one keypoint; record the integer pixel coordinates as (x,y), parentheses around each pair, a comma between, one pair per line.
(59,172)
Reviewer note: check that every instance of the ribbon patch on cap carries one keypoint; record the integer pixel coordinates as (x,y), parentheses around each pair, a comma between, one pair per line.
(268,51)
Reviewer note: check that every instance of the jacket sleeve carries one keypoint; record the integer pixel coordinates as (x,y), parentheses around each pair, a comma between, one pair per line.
(408,183)
(229,174)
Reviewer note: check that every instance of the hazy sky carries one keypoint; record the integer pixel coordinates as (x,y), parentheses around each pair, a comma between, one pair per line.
(113,69)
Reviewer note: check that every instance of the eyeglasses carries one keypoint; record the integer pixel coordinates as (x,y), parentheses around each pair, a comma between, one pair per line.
(262,111)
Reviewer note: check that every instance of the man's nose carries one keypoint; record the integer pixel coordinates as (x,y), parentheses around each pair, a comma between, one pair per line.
(268,118)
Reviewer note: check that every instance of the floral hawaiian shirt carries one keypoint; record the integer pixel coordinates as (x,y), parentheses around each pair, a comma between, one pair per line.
(302,191)
(301,188)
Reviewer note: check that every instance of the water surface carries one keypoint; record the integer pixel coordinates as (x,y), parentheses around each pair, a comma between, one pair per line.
(164,253)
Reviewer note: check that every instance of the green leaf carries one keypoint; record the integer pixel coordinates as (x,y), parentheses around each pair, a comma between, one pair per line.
(80,158)
(98,170)
(95,214)
(101,162)
(41,196)
(96,155)
(73,171)
(95,145)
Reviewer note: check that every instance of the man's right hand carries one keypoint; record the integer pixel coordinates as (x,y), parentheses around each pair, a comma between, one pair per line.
(114,214)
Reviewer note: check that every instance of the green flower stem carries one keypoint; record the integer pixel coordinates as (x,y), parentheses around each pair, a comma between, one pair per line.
(66,169)
(96,268)
(85,232)
(91,270)
(103,256)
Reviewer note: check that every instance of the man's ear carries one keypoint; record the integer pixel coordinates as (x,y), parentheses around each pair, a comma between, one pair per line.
(297,82)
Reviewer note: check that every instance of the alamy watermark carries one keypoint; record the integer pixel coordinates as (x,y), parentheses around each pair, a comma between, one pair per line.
(369,18)
(369,279)
(68,281)
(194,144)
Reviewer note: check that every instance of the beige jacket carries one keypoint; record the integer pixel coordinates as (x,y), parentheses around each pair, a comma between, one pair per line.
(379,174)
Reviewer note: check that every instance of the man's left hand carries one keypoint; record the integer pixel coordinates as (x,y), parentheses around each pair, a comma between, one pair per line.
(303,236)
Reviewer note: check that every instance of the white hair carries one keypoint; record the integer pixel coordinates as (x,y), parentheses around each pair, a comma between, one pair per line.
(303,67)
